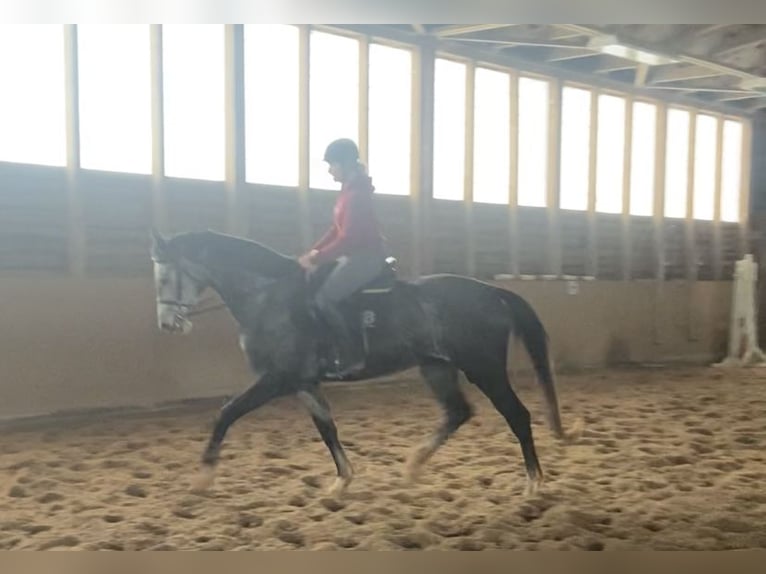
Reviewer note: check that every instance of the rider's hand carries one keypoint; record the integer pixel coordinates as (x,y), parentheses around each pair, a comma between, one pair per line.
(306,262)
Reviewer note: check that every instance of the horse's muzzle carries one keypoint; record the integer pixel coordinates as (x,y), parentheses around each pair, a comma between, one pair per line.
(171,322)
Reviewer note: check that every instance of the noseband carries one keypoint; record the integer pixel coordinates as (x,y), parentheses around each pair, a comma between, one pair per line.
(184,307)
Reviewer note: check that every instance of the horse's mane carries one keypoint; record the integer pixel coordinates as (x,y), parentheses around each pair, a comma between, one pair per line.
(238,252)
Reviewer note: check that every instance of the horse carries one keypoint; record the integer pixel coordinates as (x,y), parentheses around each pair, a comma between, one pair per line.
(442,324)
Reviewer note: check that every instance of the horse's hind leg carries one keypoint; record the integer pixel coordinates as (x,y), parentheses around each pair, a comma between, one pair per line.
(442,378)
(492,379)
(319,408)
(266,388)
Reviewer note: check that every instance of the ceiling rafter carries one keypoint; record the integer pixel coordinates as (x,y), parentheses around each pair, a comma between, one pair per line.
(564,54)
(721,68)
(563,35)
(748,39)
(463,29)
(713,28)
(740,97)
(710,89)
(668,74)
(511,42)
(642,71)
(562,49)
(615,67)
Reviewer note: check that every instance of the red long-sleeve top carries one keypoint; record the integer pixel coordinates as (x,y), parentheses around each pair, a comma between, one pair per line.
(354,222)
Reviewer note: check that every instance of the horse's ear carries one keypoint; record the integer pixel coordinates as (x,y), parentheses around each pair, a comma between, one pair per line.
(158,241)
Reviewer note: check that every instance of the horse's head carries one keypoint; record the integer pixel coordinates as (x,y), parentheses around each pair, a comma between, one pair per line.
(178,283)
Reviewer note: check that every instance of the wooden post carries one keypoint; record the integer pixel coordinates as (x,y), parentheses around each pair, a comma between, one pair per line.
(513,191)
(364,98)
(691,248)
(745,187)
(234,94)
(470,237)
(552,196)
(658,218)
(627,243)
(303,124)
(592,260)
(76,243)
(423,155)
(659,190)
(160,218)
(717,239)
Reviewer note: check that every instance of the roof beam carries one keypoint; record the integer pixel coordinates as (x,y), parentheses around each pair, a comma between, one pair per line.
(712,28)
(517,37)
(679,74)
(563,35)
(704,63)
(594,71)
(563,54)
(615,67)
(749,38)
(519,42)
(467,29)
(741,97)
(641,73)
(710,89)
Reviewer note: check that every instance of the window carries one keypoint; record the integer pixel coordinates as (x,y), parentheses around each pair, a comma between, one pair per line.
(115,97)
(271,104)
(705,138)
(492,136)
(32,105)
(390,116)
(642,159)
(731,170)
(575,148)
(193,84)
(533,142)
(611,151)
(449,129)
(676,163)
(333,100)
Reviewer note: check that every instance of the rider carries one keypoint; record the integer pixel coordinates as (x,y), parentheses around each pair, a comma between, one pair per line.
(354,240)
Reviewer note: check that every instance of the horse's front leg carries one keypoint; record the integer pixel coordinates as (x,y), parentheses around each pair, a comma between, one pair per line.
(315,402)
(268,387)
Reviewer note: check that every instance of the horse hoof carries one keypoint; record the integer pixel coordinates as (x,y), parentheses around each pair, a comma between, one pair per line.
(415,463)
(575,432)
(339,486)
(412,474)
(203,481)
(533,486)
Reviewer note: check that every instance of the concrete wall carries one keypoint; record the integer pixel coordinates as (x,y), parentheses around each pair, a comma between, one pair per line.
(68,343)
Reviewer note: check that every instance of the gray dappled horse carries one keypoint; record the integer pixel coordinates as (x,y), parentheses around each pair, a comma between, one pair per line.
(442,324)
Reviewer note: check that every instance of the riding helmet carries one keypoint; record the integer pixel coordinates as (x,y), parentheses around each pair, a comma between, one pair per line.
(343,151)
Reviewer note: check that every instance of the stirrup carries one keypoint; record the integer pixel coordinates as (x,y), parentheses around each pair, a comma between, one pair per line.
(335,373)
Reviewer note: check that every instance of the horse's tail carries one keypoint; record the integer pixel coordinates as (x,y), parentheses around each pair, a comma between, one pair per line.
(529,328)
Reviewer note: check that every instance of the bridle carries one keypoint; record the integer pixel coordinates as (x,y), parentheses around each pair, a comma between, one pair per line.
(185,308)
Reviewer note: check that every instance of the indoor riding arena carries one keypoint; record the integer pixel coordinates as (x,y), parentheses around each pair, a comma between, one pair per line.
(612,176)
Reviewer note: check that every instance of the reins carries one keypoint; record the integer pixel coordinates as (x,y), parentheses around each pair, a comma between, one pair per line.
(205,310)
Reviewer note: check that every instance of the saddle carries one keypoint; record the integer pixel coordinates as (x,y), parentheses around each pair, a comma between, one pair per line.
(382,283)
(358,312)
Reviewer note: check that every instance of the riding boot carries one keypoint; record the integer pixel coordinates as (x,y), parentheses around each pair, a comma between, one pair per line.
(350,357)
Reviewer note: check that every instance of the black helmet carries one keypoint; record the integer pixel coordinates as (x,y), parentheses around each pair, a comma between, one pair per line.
(343,151)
